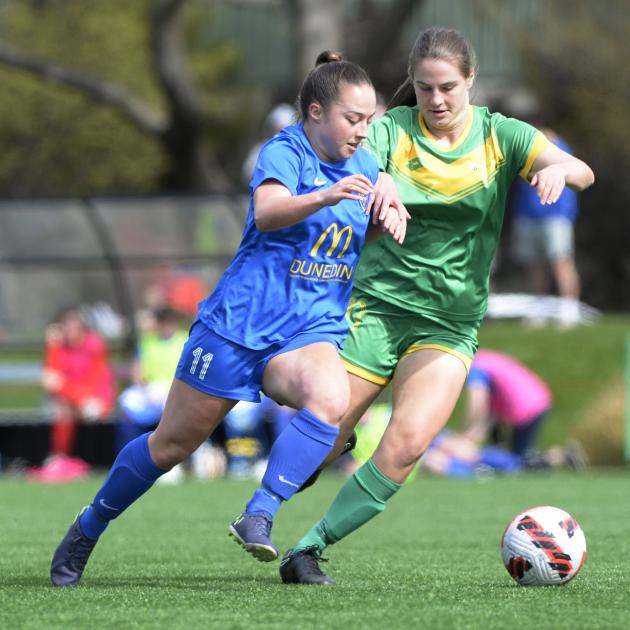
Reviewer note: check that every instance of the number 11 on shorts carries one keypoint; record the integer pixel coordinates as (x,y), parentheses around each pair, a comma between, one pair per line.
(205,362)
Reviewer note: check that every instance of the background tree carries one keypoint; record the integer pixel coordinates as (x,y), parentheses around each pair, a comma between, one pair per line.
(368,32)
(575,62)
(118,96)
(148,108)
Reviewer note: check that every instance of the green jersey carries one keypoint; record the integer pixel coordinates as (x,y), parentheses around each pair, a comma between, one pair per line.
(456,199)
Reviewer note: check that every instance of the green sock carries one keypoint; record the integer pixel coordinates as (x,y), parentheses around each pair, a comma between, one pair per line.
(361,498)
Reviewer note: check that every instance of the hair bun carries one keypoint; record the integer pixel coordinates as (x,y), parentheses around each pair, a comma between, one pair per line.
(328,56)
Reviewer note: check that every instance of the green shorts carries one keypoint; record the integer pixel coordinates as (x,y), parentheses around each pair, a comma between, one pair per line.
(381,334)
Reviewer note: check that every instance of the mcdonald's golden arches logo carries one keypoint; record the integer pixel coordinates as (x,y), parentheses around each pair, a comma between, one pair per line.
(337,235)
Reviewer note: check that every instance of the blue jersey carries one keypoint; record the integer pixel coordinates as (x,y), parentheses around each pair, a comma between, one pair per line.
(297,279)
(526,202)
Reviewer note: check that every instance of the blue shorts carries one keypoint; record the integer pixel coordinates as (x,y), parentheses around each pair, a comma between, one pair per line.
(219,367)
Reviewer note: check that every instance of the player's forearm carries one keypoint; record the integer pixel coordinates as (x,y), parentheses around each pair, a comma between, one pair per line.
(579,175)
(280,212)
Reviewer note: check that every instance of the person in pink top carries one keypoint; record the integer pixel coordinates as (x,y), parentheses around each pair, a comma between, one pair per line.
(504,397)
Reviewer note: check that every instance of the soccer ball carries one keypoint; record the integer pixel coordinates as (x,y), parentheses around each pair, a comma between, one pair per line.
(543,546)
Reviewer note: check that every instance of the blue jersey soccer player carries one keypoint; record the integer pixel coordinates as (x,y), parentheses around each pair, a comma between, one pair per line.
(274,322)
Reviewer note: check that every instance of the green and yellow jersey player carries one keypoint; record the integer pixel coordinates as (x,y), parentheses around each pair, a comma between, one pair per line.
(416,309)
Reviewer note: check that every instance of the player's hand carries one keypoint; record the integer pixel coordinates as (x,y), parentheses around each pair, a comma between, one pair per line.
(386,196)
(92,409)
(354,187)
(52,380)
(549,183)
(395,224)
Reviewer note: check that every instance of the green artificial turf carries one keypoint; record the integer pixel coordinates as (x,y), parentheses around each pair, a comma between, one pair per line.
(430,561)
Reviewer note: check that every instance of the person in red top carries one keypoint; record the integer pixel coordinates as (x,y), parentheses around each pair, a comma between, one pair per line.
(78,378)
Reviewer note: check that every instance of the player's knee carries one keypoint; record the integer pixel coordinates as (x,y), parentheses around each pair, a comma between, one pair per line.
(169,453)
(329,410)
(331,405)
(410,447)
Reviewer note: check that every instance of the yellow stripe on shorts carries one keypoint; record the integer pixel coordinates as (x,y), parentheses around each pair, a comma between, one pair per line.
(466,360)
(365,374)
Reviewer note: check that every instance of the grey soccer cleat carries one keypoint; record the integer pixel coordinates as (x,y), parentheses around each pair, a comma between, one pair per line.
(71,556)
(253,533)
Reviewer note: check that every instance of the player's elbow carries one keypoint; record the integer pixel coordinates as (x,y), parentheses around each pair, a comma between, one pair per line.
(263,220)
(585,178)
(590,176)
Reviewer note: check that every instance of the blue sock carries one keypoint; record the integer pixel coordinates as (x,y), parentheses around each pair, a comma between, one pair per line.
(132,474)
(501,460)
(294,457)
(264,500)
(459,468)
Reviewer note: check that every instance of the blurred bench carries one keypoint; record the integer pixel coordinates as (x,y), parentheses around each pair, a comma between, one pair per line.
(22,373)
(24,431)
(28,373)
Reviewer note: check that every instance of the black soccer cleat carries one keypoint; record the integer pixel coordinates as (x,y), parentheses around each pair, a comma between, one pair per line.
(71,556)
(351,442)
(253,533)
(302,567)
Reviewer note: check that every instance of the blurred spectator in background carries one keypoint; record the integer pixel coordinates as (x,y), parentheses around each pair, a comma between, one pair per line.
(250,430)
(159,348)
(178,289)
(141,404)
(450,454)
(455,455)
(281,116)
(79,381)
(507,403)
(543,240)
(185,292)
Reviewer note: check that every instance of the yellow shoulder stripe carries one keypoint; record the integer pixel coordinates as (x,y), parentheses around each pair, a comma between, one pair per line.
(539,145)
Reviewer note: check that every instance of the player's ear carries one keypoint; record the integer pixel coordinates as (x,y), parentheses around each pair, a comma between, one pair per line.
(315,111)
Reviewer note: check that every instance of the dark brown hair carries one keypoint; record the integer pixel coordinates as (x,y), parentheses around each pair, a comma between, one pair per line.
(322,83)
(435,43)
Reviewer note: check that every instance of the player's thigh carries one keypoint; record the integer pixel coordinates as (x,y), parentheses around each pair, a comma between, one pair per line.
(362,394)
(212,374)
(311,376)
(189,417)
(425,389)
